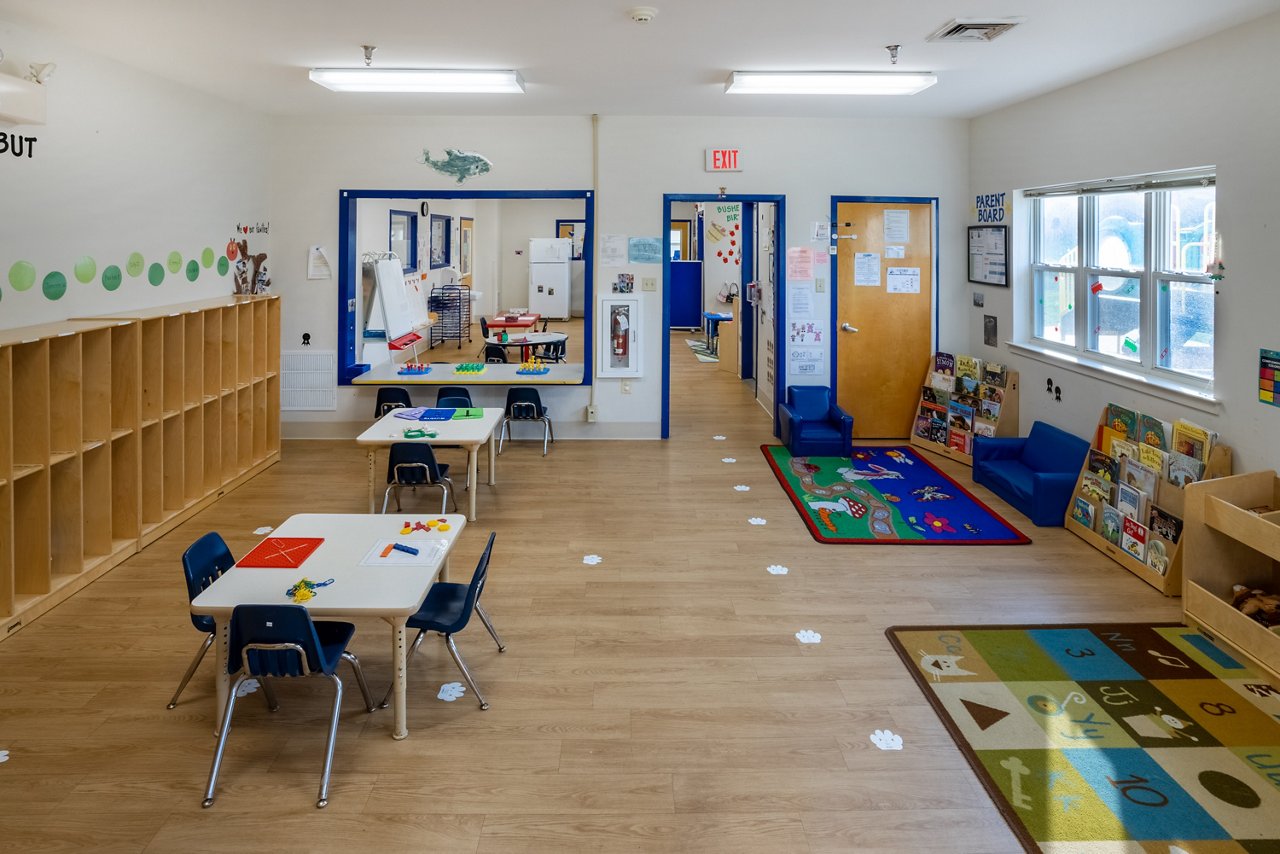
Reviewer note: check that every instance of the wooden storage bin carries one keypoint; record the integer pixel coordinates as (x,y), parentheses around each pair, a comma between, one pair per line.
(112,433)
(1227,543)
(1006,425)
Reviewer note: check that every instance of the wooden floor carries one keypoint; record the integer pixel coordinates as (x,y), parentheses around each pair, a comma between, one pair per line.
(658,701)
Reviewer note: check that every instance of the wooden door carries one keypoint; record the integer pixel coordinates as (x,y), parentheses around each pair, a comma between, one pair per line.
(879,367)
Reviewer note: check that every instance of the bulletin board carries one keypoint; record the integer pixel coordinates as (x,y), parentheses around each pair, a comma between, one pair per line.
(989,255)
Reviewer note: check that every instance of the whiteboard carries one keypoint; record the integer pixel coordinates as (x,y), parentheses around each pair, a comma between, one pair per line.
(394,298)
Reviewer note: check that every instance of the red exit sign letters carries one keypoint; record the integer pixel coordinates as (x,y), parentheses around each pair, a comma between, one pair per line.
(723,160)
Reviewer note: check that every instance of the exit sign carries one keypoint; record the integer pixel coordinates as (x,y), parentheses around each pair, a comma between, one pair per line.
(723,160)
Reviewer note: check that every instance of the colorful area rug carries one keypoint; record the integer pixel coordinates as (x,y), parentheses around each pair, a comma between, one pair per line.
(1125,737)
(699,349)
(886,495)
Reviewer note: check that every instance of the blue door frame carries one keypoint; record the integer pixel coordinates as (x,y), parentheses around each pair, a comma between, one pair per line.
(780,229)
(348,369)
(832,359)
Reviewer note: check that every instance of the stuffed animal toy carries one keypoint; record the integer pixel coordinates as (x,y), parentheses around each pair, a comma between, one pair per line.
(1257,604)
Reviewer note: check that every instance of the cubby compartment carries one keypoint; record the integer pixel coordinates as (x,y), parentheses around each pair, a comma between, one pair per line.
(175,453)
(244,345)
(31,536)
(193,455)
(193,360)
(212,445)
(30,408)
(125,495)
(152,370)
(259,420)
(261,341)
(212,354)
(64,397)
(152,476)
(174,371)
(96,475)
(229,428)
(6,428)
(125,378)
(230,330)
(95,387)
(66,520)
(273,338)
(272,413)
(244,428)
(6,549)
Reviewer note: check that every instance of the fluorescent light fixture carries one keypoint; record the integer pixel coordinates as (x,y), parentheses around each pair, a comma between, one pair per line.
(828,82)
(450,80)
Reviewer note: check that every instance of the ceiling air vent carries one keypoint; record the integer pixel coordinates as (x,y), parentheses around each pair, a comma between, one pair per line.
(974,29)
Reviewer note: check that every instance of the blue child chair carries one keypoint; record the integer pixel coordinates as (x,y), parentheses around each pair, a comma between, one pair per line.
(202,563)
(813,425)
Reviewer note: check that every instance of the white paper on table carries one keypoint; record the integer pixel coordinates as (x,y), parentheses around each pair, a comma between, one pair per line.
(866,269)
(800,300)
(903,280)
(895,252)
(318,266)
(897,227)
(799,263)
(614,250)
(429,553)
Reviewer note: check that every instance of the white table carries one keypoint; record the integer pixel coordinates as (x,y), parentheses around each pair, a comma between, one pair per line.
(470,433)
(393,593)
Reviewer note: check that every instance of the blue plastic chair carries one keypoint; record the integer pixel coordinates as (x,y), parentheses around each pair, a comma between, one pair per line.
(413,464)
(453,402)
(447,610)
(452,391)
(203,563)
(389,398)
(812,425)
(525,404)
(281,641)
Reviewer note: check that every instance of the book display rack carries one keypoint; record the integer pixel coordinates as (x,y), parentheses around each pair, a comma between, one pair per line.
(961,397)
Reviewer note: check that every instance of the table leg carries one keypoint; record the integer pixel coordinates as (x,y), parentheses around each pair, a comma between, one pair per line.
(373,481)
(221,679)
(400,724)
(473,463)
(493,465)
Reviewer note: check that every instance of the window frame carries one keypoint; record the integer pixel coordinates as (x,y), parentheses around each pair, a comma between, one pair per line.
(1154,317)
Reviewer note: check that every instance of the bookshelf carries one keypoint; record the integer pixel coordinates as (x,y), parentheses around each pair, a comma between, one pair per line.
(1005,424)
(1231,535)
(1168,497)
(111,435)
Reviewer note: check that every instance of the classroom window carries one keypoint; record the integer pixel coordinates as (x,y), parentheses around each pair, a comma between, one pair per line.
(1121,272)
(403,239)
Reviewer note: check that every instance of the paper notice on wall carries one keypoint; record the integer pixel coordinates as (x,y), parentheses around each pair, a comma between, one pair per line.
(866,269)
(805,360)
(895,252)
(799,263)
(614,251)
(903,280)
(897,227)
(318,266)
(800,299)
(821,232)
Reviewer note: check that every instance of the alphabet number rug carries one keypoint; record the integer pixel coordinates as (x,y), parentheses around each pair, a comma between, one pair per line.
(1100,738)
(886,495)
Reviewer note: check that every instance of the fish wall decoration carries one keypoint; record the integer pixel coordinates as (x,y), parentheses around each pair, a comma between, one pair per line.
(460,165)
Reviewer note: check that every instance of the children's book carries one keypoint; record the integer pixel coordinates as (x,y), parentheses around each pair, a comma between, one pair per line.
(1095,487)
(960,440)
(967,385)
(938,432)
(1122,448)
(984,427)
(960,417)
(1165,524)
(1133,538)
(921,427)
(1154,459)
(990,409)
(996,375)
(1191,440)
(1158,555)
(1123,421)
(944,363)
(1154,432)
(1107,438)
(1102,465)
(1082,511)
(942,382)
(1112,524)
(969,400)
(1138,476)
(969,366)
(1130,502)
(929,394)
(992,393)
(1184,469)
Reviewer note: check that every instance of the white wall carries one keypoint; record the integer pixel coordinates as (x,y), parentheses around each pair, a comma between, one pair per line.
(1210,102)
(521,220)
(125,163)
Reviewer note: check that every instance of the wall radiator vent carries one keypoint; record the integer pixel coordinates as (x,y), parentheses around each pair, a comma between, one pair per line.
(308,380)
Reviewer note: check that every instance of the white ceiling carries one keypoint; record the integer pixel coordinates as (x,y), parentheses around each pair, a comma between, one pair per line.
(587,56)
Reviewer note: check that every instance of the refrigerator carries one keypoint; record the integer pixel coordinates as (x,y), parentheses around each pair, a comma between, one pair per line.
(550,260)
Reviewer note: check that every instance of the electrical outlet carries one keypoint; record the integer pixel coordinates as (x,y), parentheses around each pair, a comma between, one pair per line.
(592,412)
(648,283)
(626,386)
(819,286)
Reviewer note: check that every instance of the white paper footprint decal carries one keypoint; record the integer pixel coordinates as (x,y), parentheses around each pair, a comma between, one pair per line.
(592,560)
(718,438)
(265,529)
(248,686)
(4,756)
(728,460)
(778,570)
(451,691)
(808,636)
(756,520)
(886,740)
(742,487)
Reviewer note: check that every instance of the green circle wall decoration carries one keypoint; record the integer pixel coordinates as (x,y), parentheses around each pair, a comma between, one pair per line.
(85,270)
(175,262)
(155,274)
(22,275)
(193,270)
(134,265)
(54,286)
(206,258)
(223,265)
(111,277)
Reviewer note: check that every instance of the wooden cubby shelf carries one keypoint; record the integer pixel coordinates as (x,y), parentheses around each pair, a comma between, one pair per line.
(1231,535)
(114,430)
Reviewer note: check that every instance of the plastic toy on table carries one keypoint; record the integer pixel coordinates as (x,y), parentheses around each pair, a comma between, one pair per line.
(428,526)
(414,369)
(533,367)
(470,368)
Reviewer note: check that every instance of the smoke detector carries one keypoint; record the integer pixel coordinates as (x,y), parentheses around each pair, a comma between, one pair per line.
(643,14)
(974,29)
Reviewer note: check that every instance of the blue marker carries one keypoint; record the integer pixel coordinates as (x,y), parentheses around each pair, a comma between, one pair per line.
(403,548)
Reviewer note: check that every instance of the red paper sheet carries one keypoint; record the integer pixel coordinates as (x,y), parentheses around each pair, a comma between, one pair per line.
(281,552)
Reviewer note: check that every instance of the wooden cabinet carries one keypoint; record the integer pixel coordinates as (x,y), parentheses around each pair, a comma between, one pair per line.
(1231,535)
(115,430)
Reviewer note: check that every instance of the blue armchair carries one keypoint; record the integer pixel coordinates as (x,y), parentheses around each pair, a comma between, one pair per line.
(813,425)
(1037,475)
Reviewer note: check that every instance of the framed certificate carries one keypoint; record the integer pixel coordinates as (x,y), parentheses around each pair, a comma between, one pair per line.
(989,255)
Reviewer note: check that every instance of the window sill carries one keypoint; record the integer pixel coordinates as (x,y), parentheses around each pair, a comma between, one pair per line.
(1193,398)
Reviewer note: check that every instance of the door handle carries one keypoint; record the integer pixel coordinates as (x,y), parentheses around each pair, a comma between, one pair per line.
(844,327)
